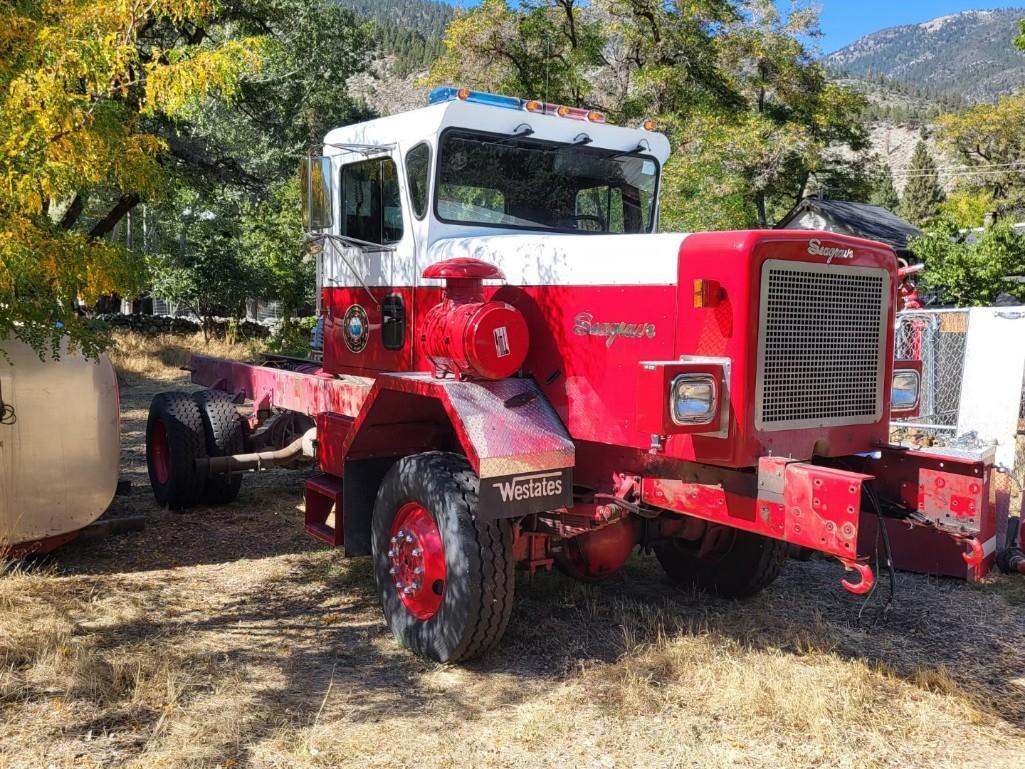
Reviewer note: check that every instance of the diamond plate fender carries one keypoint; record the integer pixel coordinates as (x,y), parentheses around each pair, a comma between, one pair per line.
(508,430)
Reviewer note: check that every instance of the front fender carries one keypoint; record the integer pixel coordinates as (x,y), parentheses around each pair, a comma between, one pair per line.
(508,431)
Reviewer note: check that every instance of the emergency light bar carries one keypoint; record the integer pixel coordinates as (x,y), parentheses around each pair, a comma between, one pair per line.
(444,93)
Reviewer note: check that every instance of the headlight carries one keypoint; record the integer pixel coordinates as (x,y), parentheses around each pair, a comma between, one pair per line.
(904,393)
(693,399)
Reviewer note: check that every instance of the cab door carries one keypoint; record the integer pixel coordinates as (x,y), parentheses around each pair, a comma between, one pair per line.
(367,291)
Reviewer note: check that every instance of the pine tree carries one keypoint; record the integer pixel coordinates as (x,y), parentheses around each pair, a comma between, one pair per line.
(923,193)
(885,194)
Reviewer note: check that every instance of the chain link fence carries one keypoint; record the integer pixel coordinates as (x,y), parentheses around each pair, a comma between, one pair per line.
(938,338)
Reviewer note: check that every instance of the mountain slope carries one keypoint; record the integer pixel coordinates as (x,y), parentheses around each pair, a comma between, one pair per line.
(968,53)
(409,31)
(426,17)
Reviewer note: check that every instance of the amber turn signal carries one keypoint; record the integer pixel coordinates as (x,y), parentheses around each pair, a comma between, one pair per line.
(706,293)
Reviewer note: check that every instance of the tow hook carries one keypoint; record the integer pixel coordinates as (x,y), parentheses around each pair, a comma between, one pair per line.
(867,578)
(974,555)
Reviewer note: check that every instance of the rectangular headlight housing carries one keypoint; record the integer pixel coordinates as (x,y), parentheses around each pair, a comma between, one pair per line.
(694,399)
(688,395)
(905,390)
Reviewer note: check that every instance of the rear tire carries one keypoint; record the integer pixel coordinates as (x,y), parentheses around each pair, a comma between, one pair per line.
(224,433)
(469,568)
(739,565)
(174,441)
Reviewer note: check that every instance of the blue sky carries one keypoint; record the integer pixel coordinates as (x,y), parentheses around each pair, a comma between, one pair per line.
(844,21)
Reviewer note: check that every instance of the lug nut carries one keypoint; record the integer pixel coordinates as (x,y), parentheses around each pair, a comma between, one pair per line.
(417,552)
(392,553)
(400,584)
(418,570)
(393,570)
(408,591)
(414,587)
(409,539)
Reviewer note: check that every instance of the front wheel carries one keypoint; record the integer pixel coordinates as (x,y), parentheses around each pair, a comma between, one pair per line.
(726,561)
(445,578)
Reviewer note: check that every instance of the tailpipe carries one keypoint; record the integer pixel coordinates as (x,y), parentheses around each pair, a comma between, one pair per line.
(300,448)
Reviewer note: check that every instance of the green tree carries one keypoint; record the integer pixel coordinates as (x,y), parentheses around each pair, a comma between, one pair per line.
(251,147)
(967,207)
(628,58)
(203,271)
(538,50)
(312,48)
(922,192)
(989,141)
(1020,40)
(973,273)
(272,241)
(778,138)
(90,92)
(885,193)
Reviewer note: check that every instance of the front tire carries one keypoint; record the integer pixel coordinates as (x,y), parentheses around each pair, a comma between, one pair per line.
(445,578)
(732,564)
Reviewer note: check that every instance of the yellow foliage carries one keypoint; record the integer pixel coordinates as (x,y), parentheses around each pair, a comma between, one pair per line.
(74,83)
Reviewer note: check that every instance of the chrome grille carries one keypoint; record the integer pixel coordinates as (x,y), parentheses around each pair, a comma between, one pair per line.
(821,344)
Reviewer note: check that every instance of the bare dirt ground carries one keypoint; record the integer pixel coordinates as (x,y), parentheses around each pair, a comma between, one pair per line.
(227,638)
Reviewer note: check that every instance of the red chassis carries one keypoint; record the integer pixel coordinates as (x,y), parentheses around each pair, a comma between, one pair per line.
(816,506)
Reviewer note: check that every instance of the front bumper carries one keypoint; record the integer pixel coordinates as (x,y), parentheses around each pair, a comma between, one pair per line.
(824,508)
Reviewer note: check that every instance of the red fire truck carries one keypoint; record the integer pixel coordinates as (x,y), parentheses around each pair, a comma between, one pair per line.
(513,370)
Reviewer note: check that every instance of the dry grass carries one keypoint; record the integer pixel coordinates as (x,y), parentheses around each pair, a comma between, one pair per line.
(140,359)
(226,638)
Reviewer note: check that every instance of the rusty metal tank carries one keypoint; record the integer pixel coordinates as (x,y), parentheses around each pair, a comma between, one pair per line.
(60,445)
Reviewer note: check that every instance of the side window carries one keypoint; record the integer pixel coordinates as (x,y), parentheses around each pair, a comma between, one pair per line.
(371,206)
(418,168)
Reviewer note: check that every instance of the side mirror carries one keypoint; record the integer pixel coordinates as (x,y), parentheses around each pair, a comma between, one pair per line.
(315,178)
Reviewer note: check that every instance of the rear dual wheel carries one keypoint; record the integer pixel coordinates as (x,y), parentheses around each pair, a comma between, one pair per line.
(445,577)
(182,428)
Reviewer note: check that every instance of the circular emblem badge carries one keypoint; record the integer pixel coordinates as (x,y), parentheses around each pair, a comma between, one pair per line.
(355,328)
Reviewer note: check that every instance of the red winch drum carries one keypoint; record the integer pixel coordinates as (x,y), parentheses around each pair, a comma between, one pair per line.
(466,336)
(480,340)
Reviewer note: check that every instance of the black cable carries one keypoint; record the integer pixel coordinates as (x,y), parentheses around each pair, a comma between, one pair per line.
(7,415)
(870,493)
(875,584)
(880,531)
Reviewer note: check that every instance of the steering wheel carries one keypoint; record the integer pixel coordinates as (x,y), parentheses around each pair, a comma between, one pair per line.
(577,218)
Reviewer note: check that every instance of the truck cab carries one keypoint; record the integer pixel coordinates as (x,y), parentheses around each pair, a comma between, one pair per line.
(414,188)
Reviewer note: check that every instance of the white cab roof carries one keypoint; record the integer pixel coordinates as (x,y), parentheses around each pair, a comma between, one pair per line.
(407,129)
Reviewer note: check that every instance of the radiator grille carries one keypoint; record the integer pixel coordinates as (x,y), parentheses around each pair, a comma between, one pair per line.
(822,339)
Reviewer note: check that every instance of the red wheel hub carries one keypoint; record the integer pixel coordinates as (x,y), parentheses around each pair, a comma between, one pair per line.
(416,560)
(159,453)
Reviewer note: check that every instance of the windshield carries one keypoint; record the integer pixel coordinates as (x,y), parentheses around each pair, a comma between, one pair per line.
(536,185)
